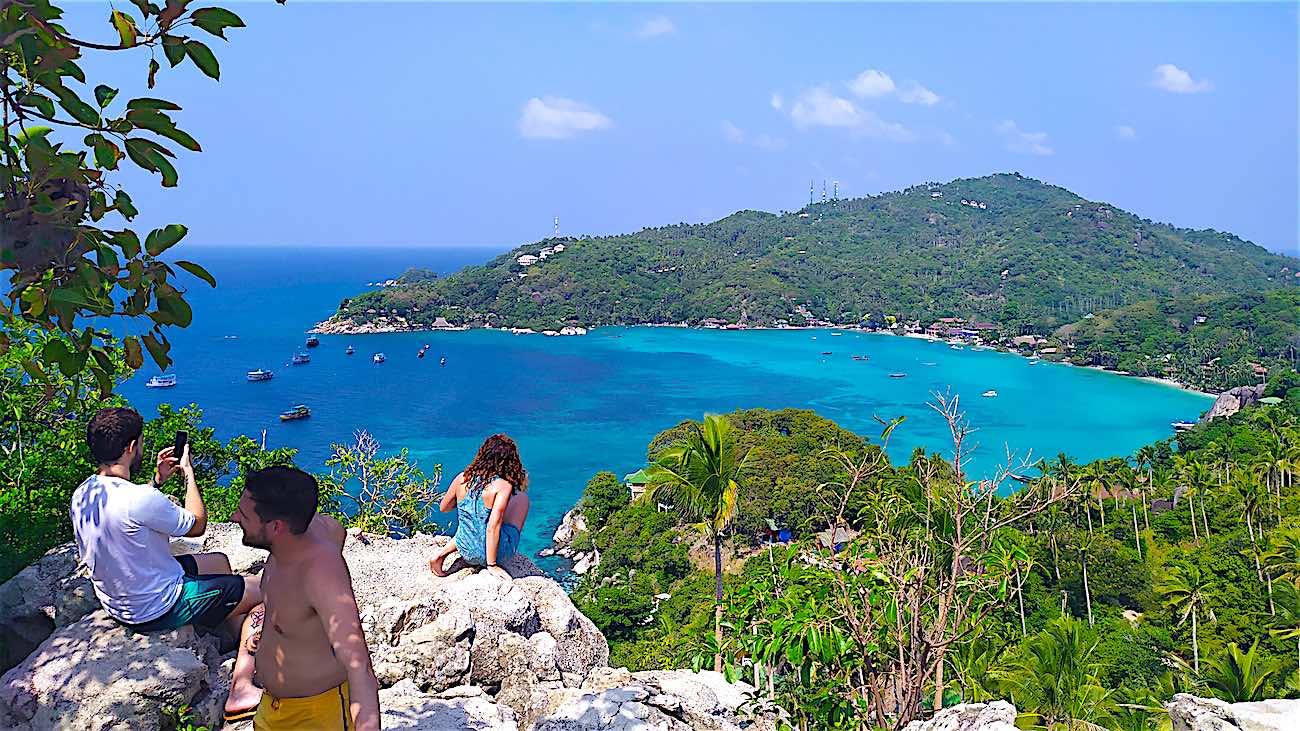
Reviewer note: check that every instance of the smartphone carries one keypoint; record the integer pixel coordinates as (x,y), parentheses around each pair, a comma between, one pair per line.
(178,447)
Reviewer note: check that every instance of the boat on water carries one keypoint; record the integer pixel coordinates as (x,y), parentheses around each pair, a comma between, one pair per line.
(296,412)
(955,346)
(420,354)
(442,361)
(378,358)
(350,350)
(836,335)
(260,375)
(898,375)
(827,352)
(990,394)
(1182,425)
(166,380)
(300,358)
(861,357)
(312,341)
(929,363)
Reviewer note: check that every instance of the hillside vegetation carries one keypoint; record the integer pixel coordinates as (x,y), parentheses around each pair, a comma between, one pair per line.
(1210,341)
(1034,255)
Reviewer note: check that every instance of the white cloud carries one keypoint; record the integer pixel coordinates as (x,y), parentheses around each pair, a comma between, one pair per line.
(1171,78)
(872,83)
(777,101)
(738,136)
(1018,140)
(818,107)
(1125,132)
(914,93)
(657,26)
(555,118)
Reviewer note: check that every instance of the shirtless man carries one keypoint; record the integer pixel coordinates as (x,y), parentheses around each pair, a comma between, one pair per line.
(312,658)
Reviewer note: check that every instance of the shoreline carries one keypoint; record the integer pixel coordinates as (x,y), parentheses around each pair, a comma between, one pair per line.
(385,330)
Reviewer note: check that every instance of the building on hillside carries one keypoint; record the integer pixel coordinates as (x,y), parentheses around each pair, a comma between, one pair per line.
(527,260)
(841,537)
(440,323)
(637,482)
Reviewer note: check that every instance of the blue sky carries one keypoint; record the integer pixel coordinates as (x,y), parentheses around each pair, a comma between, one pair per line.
(430,124)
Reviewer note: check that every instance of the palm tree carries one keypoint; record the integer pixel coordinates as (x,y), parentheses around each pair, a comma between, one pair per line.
(1240,677)
(1200,476)
(1183,469)
(1248,488)
(1186,592)
(1283,559)
(1056,677)
(702,476)
(1146,457)
(1286,625)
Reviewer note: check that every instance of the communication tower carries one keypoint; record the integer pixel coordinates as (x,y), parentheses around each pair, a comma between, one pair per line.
(557,227)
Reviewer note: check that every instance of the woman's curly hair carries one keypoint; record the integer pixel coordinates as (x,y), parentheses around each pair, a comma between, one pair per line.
(498,457)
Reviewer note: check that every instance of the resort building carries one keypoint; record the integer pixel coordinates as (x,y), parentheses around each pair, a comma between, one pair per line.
(440,323)
(527,260)
(637,482)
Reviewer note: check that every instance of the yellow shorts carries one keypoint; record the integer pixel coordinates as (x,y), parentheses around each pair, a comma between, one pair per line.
(326,711)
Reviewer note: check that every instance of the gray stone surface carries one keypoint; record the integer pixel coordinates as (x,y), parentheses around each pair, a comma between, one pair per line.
(1190,713)
(405,706)
(995,716)
(53,592)
(1233,400)
(96,674)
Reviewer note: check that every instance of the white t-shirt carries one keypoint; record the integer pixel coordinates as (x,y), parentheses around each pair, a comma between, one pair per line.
(122,534)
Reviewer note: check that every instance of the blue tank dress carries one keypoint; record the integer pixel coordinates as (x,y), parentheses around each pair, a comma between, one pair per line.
(471,528)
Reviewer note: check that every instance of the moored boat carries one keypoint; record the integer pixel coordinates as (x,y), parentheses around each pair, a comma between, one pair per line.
(420,354)
(990,394)
(260,375)
(442,361)
(898,375)
(378,358)
(296,412)
(300,358)
(312,341)
(1182,425)
(166,380)
(350,350)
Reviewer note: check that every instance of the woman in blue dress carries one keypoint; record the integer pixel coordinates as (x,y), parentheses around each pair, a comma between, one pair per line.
(491,505)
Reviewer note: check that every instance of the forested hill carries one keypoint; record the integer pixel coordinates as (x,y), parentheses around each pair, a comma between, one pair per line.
(1017,252)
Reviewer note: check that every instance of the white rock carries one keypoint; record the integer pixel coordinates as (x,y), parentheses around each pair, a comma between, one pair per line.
(1189,713)
(995,716)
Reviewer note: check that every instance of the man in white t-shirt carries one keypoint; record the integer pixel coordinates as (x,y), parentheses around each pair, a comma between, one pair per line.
(123,535)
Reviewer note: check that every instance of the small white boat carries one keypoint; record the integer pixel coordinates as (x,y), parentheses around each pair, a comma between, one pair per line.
(378,358)
(260,375)
(300,358)
(898,375)
(955,346)
(164,381)
(442,361)
(350,350)
(1182,425)
(990,394)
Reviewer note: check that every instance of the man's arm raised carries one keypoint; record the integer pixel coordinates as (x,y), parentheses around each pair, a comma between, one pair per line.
(329,590)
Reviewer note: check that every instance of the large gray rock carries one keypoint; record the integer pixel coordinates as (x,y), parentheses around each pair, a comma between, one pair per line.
(1233,400)
(95,674)
(465,708)
(995,716)
(51,593)
(1189,713)
(580,645)
(672,700)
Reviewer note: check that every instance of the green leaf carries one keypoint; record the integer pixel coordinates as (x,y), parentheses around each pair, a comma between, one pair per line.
(104,95)
(153,71)
(143,5)
(22,137)
(162,239)
(122,202)
(197,271)
(55,351)
(140,154)
(146,102)
(157,350)
(202,57)
(107,154)
(80,111)
(125,25)
(174,49)
(216,20)
(40,102)
(127,241)
(181,138)
(175,310)
(166,169)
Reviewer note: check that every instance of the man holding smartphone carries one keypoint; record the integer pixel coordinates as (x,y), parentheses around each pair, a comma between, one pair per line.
(123,531)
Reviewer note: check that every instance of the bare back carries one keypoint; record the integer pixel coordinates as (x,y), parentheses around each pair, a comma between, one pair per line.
(295,658)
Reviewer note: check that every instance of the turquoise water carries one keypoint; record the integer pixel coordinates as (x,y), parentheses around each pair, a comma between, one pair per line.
(577,405)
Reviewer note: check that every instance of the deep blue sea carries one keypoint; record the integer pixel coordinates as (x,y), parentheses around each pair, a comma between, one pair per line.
(577,405)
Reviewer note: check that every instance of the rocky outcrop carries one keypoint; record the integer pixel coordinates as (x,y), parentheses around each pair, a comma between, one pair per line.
(1189,713)
(995,716)
(571,526)
(95,674)
(1233,400)
(468,651)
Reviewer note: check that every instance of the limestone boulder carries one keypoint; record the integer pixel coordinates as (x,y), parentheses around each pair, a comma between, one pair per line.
(675,700)
(1189,713)
(995,716)
(95,674)
(580,645)
(468,708)
(1233,400)
(51,593)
